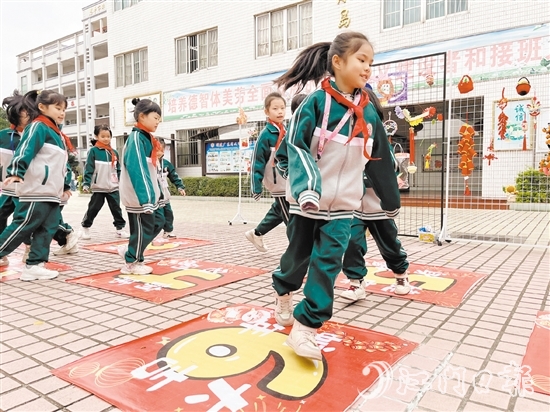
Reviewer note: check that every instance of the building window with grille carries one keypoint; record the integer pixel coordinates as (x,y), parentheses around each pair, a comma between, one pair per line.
(397,13)
(124,4)
(284,29)
(131,68)
(189,144)
(23,88)
(197,51)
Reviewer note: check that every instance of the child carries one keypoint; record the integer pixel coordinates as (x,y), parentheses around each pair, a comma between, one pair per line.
(263,170)
(168,171)
(38,167)
(101,175)
(9,140)
(139,186)
(332,135)
(384,232)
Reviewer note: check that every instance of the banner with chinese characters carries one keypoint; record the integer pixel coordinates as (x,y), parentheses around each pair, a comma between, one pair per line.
(510,133)
(431,284)
(225,156)
(236,359)
(157,246)
(171,279)
(537,356)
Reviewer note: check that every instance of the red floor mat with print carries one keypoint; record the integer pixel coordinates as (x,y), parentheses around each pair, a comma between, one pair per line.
(171,279)
(158,245)
(537,356)
(431,284)
(236,359)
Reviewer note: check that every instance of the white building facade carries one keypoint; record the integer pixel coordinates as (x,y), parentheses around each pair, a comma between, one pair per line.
(202,61)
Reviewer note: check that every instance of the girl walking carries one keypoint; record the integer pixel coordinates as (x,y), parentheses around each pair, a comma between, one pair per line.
(139,186)
(263,170)
(331,137)
(101,176)
(38,170)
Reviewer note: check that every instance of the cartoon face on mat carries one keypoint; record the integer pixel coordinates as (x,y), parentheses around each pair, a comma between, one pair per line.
(231,351)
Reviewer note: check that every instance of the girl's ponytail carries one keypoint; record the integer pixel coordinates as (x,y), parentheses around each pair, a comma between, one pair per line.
(30,104)
(311,64)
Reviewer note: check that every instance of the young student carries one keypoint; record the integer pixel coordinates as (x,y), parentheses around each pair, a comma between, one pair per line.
(139,186)
(332,136)
(101,175)
(263,170)
(9,140)
(168,172)
(38,168)
(384,232)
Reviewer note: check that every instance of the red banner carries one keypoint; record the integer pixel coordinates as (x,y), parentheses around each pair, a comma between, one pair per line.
(171,279)
(537,355)
(158,245)
(236,359)
(431,284)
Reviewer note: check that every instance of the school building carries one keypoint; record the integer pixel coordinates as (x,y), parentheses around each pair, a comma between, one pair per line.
(203,61)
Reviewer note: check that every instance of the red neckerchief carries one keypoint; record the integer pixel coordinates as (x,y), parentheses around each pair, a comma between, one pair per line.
(109,149)
(282,132)
(18,129)
(48,122)
(157,148)
(360,123)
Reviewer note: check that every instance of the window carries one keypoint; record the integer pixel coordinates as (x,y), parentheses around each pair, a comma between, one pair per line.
(187,146)
(124,4)
(282,30)
(197,52)
(131,68)
(23,88)
(401,12)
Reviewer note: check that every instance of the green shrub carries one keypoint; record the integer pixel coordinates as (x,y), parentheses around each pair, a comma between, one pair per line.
(532,186)
(213,186)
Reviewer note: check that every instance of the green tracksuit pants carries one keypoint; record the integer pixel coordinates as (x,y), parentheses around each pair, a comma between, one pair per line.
(7,206)
(315,247)
(39,219)
(168,218)
(384,233)
(277,214)
(143,229)
(95,205)
(63,230)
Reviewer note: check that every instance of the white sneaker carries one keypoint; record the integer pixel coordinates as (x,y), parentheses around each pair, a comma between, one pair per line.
(121,250)
(4,261)
(26,253)
(284,309)
(36,272)
(257,241)
(402,286)
(72,240)
(168,235)
(122,234)
(302,340)
(135,269)
(66,251)
(85,234)
(355,291)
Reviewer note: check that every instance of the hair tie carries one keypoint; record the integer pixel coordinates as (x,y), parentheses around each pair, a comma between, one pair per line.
(38,92)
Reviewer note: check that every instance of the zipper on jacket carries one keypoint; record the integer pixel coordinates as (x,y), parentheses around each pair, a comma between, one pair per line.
(341,169)
(46,173)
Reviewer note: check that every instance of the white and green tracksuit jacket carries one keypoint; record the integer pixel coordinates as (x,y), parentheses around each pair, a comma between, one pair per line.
(9,140)
(262,164)
(101,174)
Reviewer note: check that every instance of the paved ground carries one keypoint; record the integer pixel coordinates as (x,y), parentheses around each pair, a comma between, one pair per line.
(48,324)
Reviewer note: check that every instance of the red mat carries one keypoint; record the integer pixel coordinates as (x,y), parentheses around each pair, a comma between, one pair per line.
(171,279)
(158,245)
(537,355)
(235,359)
(14,269)
(431,284)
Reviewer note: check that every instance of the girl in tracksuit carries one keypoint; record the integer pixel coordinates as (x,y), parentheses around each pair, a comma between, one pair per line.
(263,170)
(167,172)
(9,140)
(384,232)
(331,137)
(139,186)
(101,175)
(38,170)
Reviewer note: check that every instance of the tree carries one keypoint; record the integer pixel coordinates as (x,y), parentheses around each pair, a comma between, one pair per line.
(4,123)
(74,164)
